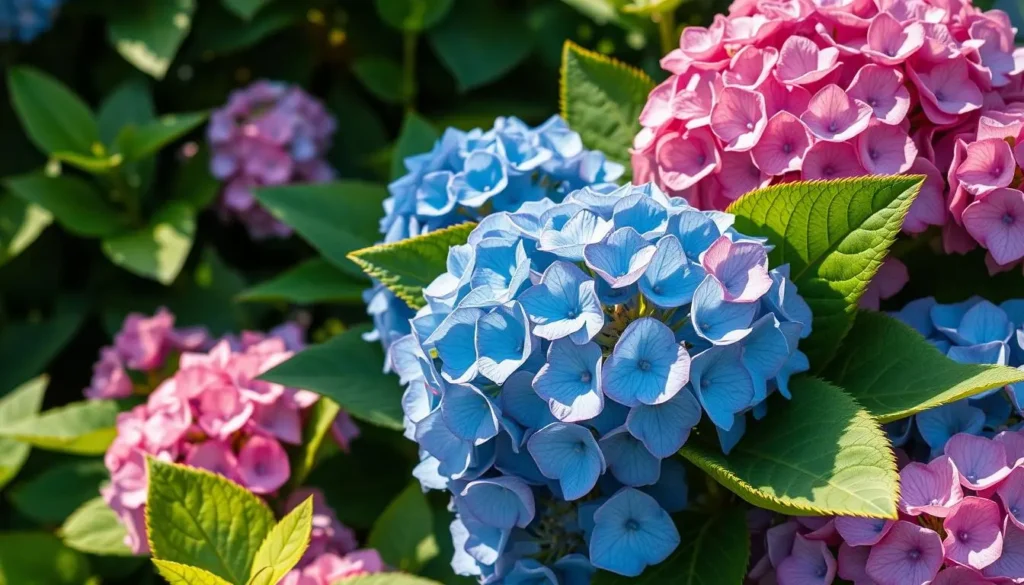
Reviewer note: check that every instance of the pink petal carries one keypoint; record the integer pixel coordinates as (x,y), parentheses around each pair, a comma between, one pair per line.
(997,223)
(701,43)
(932,489)
(740,267)
(890,279)
(881,88)
(280,420)
(862,531)
(929,208)
(974,535)
(685,159)
(658,109)
(263,465)
(1010,564)
(908,555)
(987,166)
(960,576)
(1013,441)
(802,62)
(981,462)
(834,116)
(948,88)
(956,240)
(891,42)
(739,175)
(750,67)
(215,456)
(783,145)
(780,541)
(739,118)
(853,564)
(886,150)
(809,563)
(787,98)
(831,160)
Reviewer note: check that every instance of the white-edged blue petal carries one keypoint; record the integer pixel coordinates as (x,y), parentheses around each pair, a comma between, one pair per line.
(670,279)
(501,502)
(564,303)
(521,402)
(570,381)
(503,342)
(642,213)
(646,365)
(719,321)
(621,258)
(455,344)
(453,454)
(469,414)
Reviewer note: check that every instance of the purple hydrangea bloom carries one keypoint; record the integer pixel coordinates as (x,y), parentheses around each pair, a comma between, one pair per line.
(563,360)
(268,133)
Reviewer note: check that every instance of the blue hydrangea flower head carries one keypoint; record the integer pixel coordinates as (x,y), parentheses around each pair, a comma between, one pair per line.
(24,20)
(565,357)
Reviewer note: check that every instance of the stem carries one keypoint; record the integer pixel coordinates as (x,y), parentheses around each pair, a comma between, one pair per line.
(409,69)
(667,31)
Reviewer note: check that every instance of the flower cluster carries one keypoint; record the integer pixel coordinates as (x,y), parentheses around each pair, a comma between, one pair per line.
(567,353)
(24,20)
(798,89)
(977,332)
(470,174)
(267,134)
(961,523)
(210,412)
(332,554)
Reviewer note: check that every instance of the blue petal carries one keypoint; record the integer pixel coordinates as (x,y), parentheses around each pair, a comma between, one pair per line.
(717,320)
(530,572)
(917,314)
(426,471)
(995,352)
(469,414)
(455,344)
(899,431)
(502,265)
(664,428)
(610,296)
(984,323)
(670,279)
(417,402)
(567,241)
(671,491)
(765,351)
(462,562)
(614,415)
(570,454)
(521,402)
(483,176)
(646,365)
(564,303)
(621,258)
(729,438)
(453,453)
(570,381)
(574,569)
(511,460)
(434,198)
(938,424)
(795,364)
(996,408)
(597,200)
(503,342)
(631,531)
(628,460)
(785,301)
(484,543)
(642,213)
(723,384)
(946,318)
(695,231)
(501,502)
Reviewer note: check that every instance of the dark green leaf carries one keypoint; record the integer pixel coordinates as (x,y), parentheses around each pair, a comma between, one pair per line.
(416,137)
(27,347)
(54,494)
(382,76)
(834,235)
(317,428)
(404,533)
(194,184)
(219,32)
(21,223)
(245,8)
(479,45)
(602,100)
(821,454)
(23,403)
(130,104)
(413,15)
(38,558)
(55,118)
(74,202)
(349,371)
(82,428)
(159,250)
(407,266)
(94,528)
(149,34)
(138,142)
(313,281)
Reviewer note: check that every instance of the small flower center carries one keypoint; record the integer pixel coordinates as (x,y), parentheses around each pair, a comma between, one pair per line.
(701,158)
(1014,511)
(997,171)
(873,102)
(1008,219)
(963,536)
(644,365)
(579,447)
(828,171)
(890,52)
(585,377)
(632,525)
(656,289)
(787,148)
(572,314)
(873,153)
(972,477)
(940,96)
(914,554)
(750,125)
(833,126)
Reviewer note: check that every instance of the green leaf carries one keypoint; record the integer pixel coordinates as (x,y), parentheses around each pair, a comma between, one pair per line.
(179,574)
(55,118)
(313,281)
(27,347)
(90,163)
(76,204)
(347,370)
(317,428)
(38,558)
(219,32)
(54,494)
(382,76)
(148,35)
(417,136)
(194,184)
(284,546)
(94,528)
(406,267)
(157,251)
(413,15)
(84,428)
(245,9)
(650,7)
(335,218)
(197,518)
(21,223)
(602,98)
(834,235)
(479,44)
(139,142)
(894,372)
(821,454)
(130,104)
(715,551)
(23,403)
(404,533)
(386,579)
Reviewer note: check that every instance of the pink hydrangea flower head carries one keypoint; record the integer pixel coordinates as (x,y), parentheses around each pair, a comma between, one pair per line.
(267,134)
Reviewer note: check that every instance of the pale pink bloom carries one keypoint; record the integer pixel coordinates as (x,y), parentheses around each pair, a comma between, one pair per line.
(1014,444)
(740,267)
(834,116)
(974,533)
(862,531)
(997,222)
(980,462)
(802,62)
(701,43)
(886,150)
(928,208)
(109,379)
(783,98)
(263,465)
(739,118)
(852,564)
(932,488)
(223,411)
(280,420)
(891,42)
(344,430)
(215,456)
(749,67)
(1009,567)
(143,341)
(960,576)
(908,555)
(988,165)
(831,160)
(946,90)
(329,568)
(740,175)
(682,160)
(1011,494)
(883,89)
(783,145)
(809,563)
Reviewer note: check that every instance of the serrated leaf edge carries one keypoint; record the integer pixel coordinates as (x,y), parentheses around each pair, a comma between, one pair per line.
(563,70)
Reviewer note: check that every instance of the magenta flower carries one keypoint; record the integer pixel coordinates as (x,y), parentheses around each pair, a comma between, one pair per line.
(834,116)
(974,533)
(908,555)
(862,531)
(802,62)
(891,42)
(782,147)
(997,222)
(885,150)
(946,91)
(932,488)
(831,160)
(881,88)
(1010,564)
(739,118)
(980,462)
(750,67)
(987,165)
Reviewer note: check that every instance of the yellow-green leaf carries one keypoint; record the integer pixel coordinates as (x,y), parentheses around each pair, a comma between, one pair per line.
(179,574)
(284,546)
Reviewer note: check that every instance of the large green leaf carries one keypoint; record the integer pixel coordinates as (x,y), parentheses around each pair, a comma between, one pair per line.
(349,371)
(138,142)
(197,518)
(404,533)
(413,15)
(417,136)
(284,546)
(21,223)
(54,118)
(74,202)
(834,235)
(27,347)
(479,43)
(317,429)
(51,496)
(821,454)
(159,250)
(39,558)
(601,99)
(893,372)
(181,574)
(313,281)
(148,35)
(715,550)
(406,267)
(382,76)
(245,8)
(83,428)
(336,218)
(130,104)
(94,528)
(23,403)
